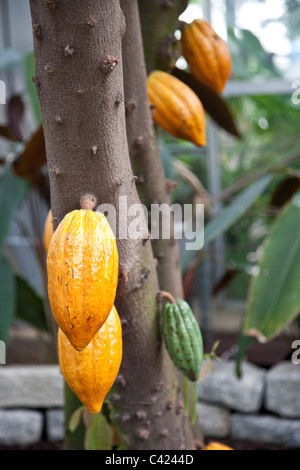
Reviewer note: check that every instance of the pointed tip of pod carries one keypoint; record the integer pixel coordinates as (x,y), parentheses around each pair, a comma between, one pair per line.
(199,139)
(94,408)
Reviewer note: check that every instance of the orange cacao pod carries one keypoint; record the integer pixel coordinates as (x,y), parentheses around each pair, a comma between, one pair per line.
(216,446)
(91,373)
(207,54)
(48,230)
(82,266)
(177,109)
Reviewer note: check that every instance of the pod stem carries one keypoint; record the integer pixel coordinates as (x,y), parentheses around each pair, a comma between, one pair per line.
(186,396)
(88,202)
(166,295)
(195,401)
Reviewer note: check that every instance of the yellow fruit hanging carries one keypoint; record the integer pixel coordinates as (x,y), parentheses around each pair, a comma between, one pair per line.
(82,266)
(216,446)
(48,231)
(91,373)
(207,54)
(176,108)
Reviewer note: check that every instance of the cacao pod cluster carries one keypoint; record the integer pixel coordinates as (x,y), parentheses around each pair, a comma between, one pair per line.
(82,268)
(176,107)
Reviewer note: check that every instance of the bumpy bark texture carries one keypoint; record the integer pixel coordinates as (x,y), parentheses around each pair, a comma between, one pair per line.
(143,146)
(79,80)
(159,19)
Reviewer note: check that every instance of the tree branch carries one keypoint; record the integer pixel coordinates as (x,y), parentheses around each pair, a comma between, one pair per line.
(143,147)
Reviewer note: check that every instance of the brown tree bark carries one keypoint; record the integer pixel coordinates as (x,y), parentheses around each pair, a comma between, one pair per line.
(159,19)
(143,146)
(79,80)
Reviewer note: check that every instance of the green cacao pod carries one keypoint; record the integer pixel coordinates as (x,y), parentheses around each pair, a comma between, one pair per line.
(182,337)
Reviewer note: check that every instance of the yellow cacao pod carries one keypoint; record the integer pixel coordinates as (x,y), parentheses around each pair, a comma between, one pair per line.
(91,373)
(207,54)
(176,108)
(82,267)
(48,230)
(216,446)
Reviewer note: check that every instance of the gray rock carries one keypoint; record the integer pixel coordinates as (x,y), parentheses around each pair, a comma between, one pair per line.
(282,390)
(38,386)
(55,425)
(213,420)
(264,428)
(224,388)
(20,427)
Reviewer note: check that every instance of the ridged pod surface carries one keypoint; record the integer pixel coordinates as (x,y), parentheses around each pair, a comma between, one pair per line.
(48,231)
(177,109)
(91,373)
(82,267)
(216,446)
(207,54)
(182,337)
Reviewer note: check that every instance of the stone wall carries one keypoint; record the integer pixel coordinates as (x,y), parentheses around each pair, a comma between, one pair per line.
(31,404)
(262,406)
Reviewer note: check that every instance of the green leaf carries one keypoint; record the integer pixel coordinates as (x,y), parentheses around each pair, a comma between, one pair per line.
(75,419)
(167,160)
(274,296)
(244,342)
(230,214)
(99,435)
(12,192)
(29,72)
(30,306)
(7,298)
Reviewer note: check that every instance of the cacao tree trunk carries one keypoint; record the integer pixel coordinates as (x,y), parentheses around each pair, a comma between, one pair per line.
(143,147)
(79,79)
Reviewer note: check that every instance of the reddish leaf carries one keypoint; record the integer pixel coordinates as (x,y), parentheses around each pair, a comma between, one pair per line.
(28,164)
(228,276)
(285,191)
(15,111)
(189,280)
(213,104)
(7,133)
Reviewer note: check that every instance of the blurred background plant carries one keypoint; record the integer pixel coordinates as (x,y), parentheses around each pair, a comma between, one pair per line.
(247,176)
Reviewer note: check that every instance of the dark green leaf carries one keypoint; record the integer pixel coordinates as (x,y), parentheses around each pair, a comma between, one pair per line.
(230,214)
(244,342)
(30,306)
(7,298)
(274,297)
(99,435)
(213,103)
(12,192)
(29,72)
